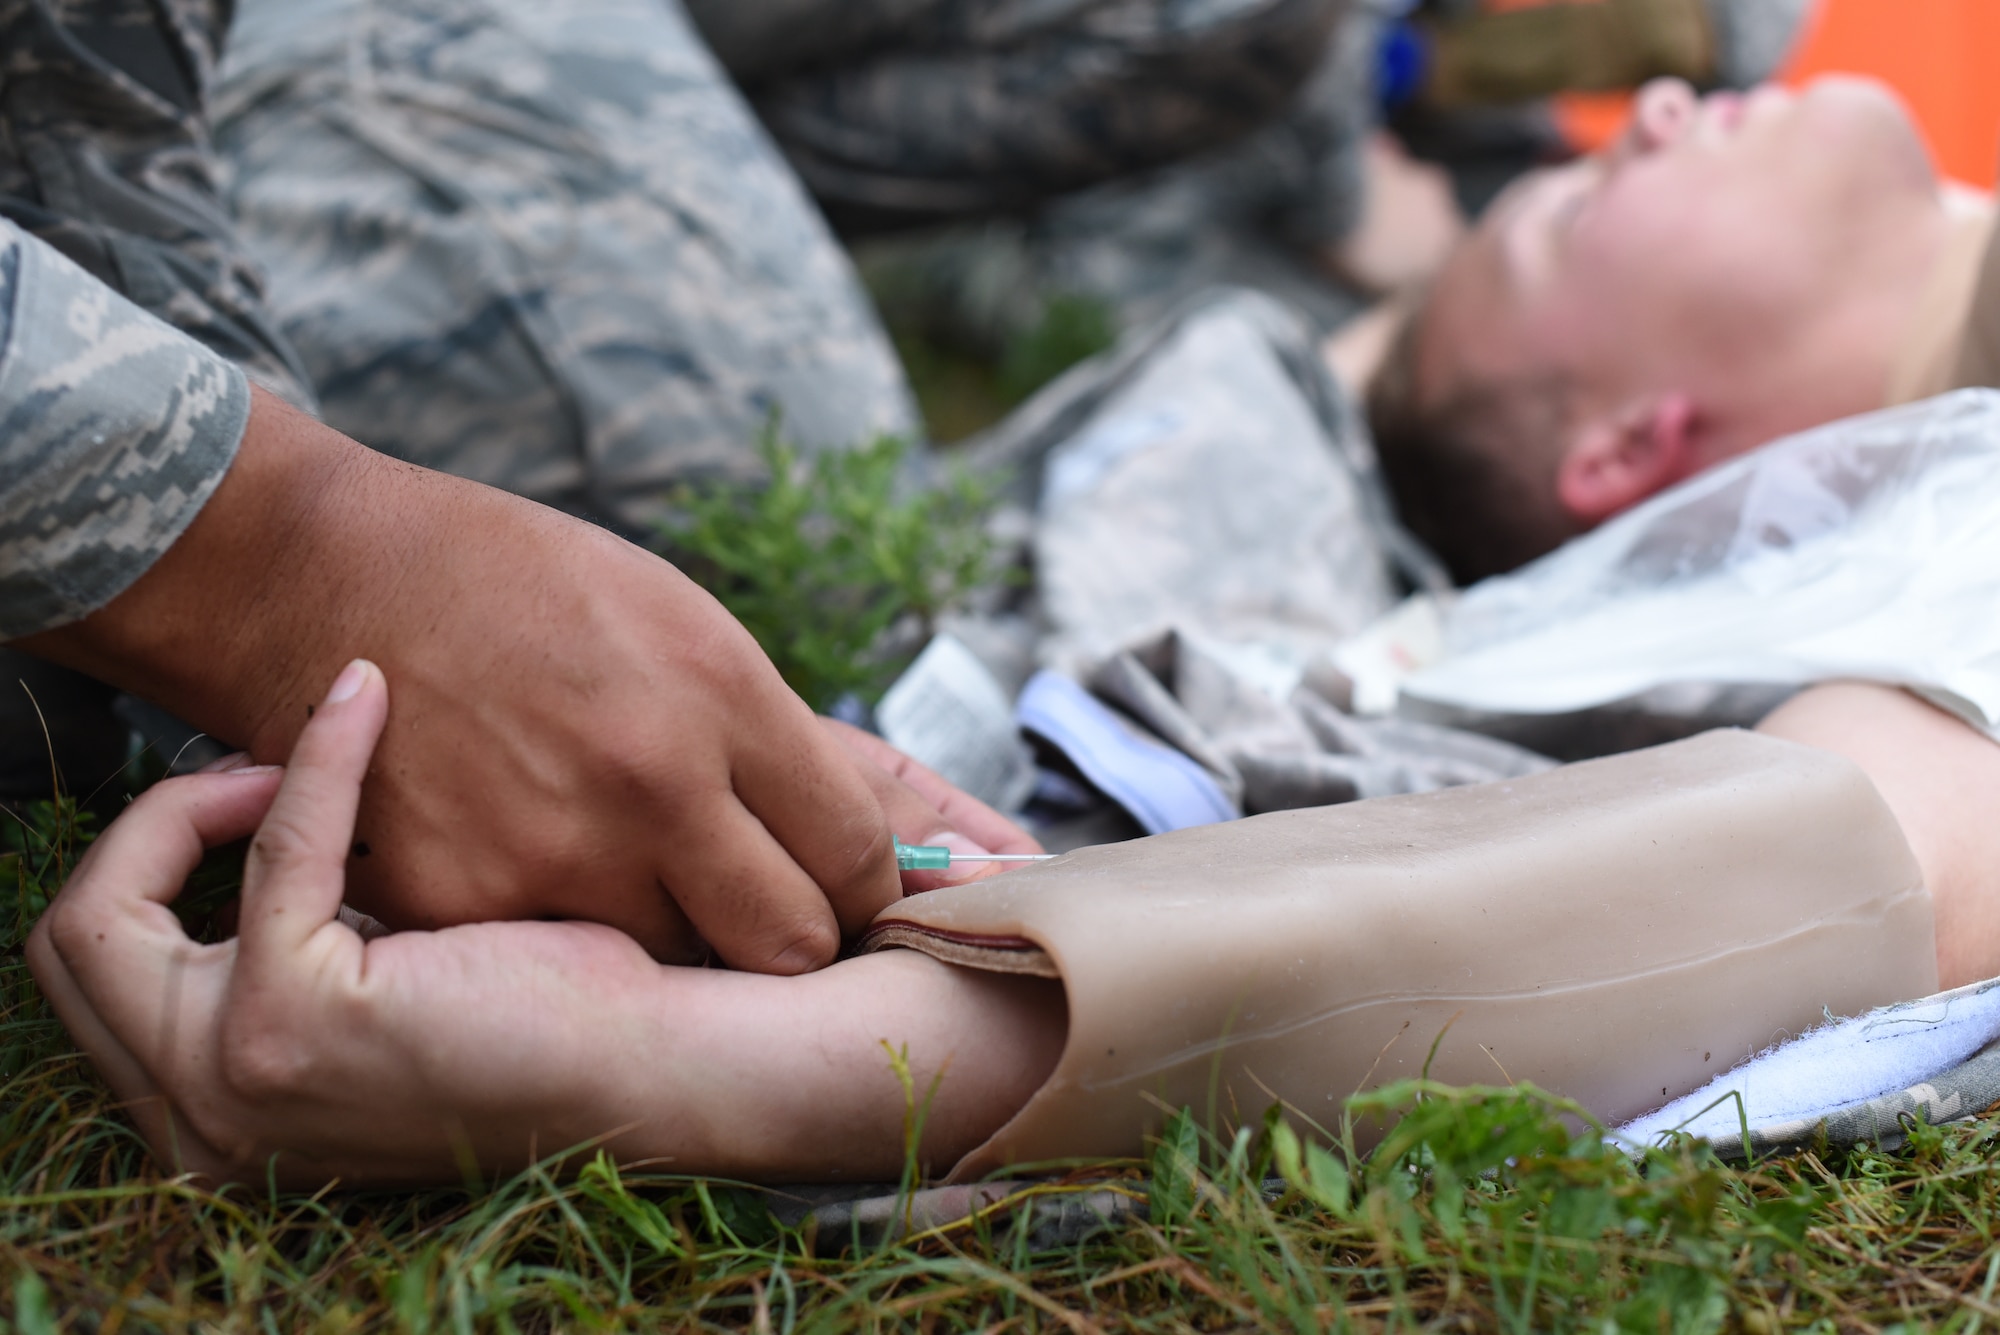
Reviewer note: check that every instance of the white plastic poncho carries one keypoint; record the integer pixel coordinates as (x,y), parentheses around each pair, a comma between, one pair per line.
(1869,549)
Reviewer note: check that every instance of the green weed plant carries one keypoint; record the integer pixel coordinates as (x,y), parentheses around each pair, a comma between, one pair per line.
(964,386)
(1073,327)
(838,565)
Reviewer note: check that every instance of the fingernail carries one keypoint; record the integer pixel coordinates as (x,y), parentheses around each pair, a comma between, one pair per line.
(348,684)
(801,959)
(234,760)
(958,843)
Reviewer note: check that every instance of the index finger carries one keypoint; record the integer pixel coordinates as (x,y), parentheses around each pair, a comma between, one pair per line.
(149,851)
(296,873)
(799,783)
(962,812)
(112,957)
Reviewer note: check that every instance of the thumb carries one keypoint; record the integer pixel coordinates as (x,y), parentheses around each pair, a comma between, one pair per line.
(295,875)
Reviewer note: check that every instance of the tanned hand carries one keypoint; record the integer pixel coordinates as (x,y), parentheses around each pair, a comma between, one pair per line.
(578,730)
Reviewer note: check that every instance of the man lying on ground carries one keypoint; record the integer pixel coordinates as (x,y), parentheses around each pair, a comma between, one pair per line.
(405,1058)
(1734,269)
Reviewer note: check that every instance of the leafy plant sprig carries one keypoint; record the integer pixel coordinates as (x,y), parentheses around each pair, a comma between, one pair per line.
(836,565)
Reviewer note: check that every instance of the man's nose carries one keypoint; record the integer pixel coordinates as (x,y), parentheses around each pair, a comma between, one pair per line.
(1662,112)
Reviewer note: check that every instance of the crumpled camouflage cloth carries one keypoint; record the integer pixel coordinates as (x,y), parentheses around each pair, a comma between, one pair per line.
(1038,1216)
(905,111)
(1208,475)
(552,248)
(547,247)
(1208,526)
(1257,213)
(106,157)
(1304,750)
(116,427)
(1970,1089)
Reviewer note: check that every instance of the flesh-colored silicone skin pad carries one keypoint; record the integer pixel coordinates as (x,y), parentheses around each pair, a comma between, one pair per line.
(1615,931)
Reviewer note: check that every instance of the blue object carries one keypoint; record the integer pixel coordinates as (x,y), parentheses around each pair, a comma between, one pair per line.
(1161,787)
(922,857)
(1402,61)
(852,710)
(936,857)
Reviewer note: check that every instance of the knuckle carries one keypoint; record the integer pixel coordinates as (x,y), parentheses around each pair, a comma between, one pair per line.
(720,649)
(806,947)
(280,841)
(263,1061)
(72,932)
(857,856)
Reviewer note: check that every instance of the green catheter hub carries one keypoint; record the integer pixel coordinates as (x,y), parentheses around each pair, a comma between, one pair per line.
(936,857)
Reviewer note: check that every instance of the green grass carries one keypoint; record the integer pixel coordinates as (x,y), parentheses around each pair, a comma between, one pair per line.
(962,390)
(1481,1212)
(837,565)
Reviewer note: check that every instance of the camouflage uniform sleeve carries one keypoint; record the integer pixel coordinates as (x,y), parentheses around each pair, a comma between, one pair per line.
(114,431)
(903,111)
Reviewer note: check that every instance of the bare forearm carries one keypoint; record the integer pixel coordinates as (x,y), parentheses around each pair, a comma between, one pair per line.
(694,1070)
(1941,779)
(298,562)
(795,1078)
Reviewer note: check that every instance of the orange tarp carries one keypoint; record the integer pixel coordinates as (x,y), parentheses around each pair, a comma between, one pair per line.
(1942,56)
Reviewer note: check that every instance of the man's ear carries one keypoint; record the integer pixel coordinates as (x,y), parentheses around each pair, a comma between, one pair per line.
(1617,460)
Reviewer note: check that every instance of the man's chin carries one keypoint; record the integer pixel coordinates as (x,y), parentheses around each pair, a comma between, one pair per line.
(1853,115)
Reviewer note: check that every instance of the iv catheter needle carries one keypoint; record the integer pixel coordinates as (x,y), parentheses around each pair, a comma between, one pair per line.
(1001,857)
(936,857)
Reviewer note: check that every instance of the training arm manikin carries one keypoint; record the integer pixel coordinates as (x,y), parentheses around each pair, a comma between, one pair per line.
(1616,931)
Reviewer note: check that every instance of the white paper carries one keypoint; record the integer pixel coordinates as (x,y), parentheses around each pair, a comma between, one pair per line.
(1162,788)
(948,712)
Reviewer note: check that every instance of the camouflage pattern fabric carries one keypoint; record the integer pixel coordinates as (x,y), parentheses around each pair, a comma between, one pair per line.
(1970,1089)
(106,157)
(1038,1215)
(1208,526)
(1866,1079)
(901,111)
(114,430)
(552,249)
(545,247)
(1257,213)
(1253,213)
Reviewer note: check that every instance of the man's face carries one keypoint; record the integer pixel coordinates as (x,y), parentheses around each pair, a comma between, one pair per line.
(1714,226)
